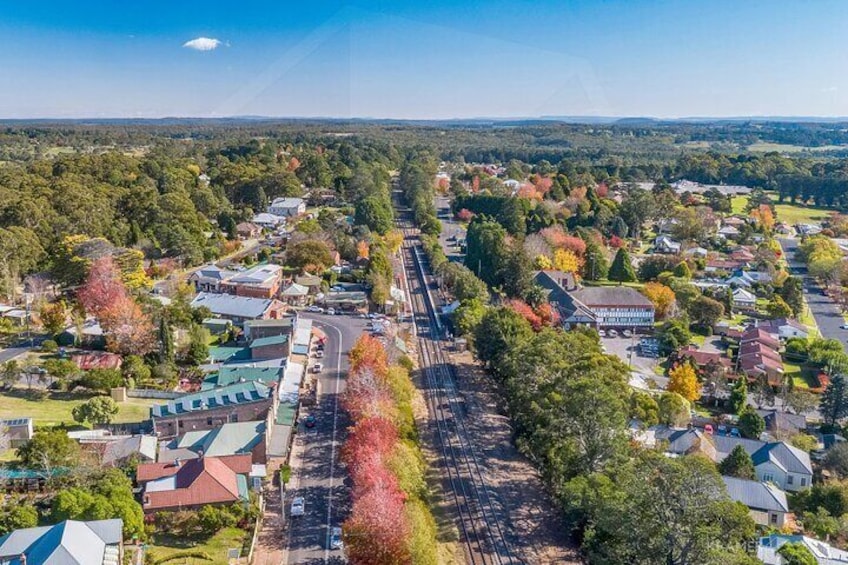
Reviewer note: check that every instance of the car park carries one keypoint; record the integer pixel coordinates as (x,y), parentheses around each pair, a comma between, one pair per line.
(298,506)
(336,538)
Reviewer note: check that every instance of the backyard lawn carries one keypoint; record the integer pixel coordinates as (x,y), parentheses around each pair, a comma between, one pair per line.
(213,550)
(56,408)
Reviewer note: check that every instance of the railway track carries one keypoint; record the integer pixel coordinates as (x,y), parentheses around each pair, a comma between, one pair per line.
(478,520)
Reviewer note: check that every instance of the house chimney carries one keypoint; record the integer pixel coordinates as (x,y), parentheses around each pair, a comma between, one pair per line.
(177,462)
(200,454)
(23,559)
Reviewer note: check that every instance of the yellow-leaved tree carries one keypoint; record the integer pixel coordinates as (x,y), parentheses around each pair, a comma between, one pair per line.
(566,261)
(683,380)
(661,296)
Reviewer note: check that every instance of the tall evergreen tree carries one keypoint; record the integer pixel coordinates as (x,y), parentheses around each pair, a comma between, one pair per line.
(166,341)
(739,396)
(834,400)
(596,266)
(792,294)
(621,269)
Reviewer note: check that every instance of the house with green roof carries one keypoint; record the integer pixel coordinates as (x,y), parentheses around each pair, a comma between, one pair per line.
(270,347)
(207,409)
(231,374)
(237,438)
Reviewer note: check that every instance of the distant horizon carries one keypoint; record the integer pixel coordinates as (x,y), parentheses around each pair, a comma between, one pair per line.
(517,118)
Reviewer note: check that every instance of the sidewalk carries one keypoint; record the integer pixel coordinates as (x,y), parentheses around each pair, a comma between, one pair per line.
(270,544)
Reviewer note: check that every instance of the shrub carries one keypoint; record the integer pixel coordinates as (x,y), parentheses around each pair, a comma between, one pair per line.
(49,345)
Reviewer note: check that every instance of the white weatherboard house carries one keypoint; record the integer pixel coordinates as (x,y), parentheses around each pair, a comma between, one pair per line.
(777,462)
(287,207)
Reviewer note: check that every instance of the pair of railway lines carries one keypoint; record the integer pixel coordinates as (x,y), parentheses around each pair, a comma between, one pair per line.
(478,518)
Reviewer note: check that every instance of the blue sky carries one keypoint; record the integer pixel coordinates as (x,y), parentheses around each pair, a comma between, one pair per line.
(433,59)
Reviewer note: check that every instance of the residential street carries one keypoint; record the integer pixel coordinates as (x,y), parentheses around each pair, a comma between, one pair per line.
(826,312)
(316,473)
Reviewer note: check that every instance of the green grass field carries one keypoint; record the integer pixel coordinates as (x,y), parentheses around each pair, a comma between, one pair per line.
(785,212)
(738,203)
(56,408)
(170,547)
(798,214)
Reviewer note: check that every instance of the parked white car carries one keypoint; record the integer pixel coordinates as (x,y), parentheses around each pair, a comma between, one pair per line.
(298,506)
(336,539)
(317,368)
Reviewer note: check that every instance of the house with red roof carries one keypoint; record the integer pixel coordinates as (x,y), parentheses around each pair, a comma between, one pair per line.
(181,485)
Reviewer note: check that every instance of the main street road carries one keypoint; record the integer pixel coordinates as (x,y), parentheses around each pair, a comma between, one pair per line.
(316,474)
(826,312)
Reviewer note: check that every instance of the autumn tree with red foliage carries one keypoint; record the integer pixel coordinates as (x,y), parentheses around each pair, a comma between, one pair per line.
(465,215)
(369,352)
(102,288)
(129,331)
(377,531)
(127,327)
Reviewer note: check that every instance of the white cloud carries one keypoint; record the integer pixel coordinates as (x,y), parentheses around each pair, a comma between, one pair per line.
(202,44)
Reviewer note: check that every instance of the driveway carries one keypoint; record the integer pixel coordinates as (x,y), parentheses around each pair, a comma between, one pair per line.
(826,312)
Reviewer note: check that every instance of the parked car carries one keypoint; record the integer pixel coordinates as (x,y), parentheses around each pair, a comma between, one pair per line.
(331,311)
(319,354)
(843,327)
(336,538)
(315,309)
(612,333)
(310,421)
(317,368)
(298,506)
(602,333)
(627,333)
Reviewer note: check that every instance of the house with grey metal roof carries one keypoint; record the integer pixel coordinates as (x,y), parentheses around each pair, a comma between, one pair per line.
(767,503)
(236,438)
(239,309)
(71,542)
(18,430)
(209,278)
(287,207)
(777,462)
(262,328)
(119,451)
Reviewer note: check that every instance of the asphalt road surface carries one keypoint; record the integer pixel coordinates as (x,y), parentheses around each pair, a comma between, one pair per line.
(826,312)
(450,229)
(316,473)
